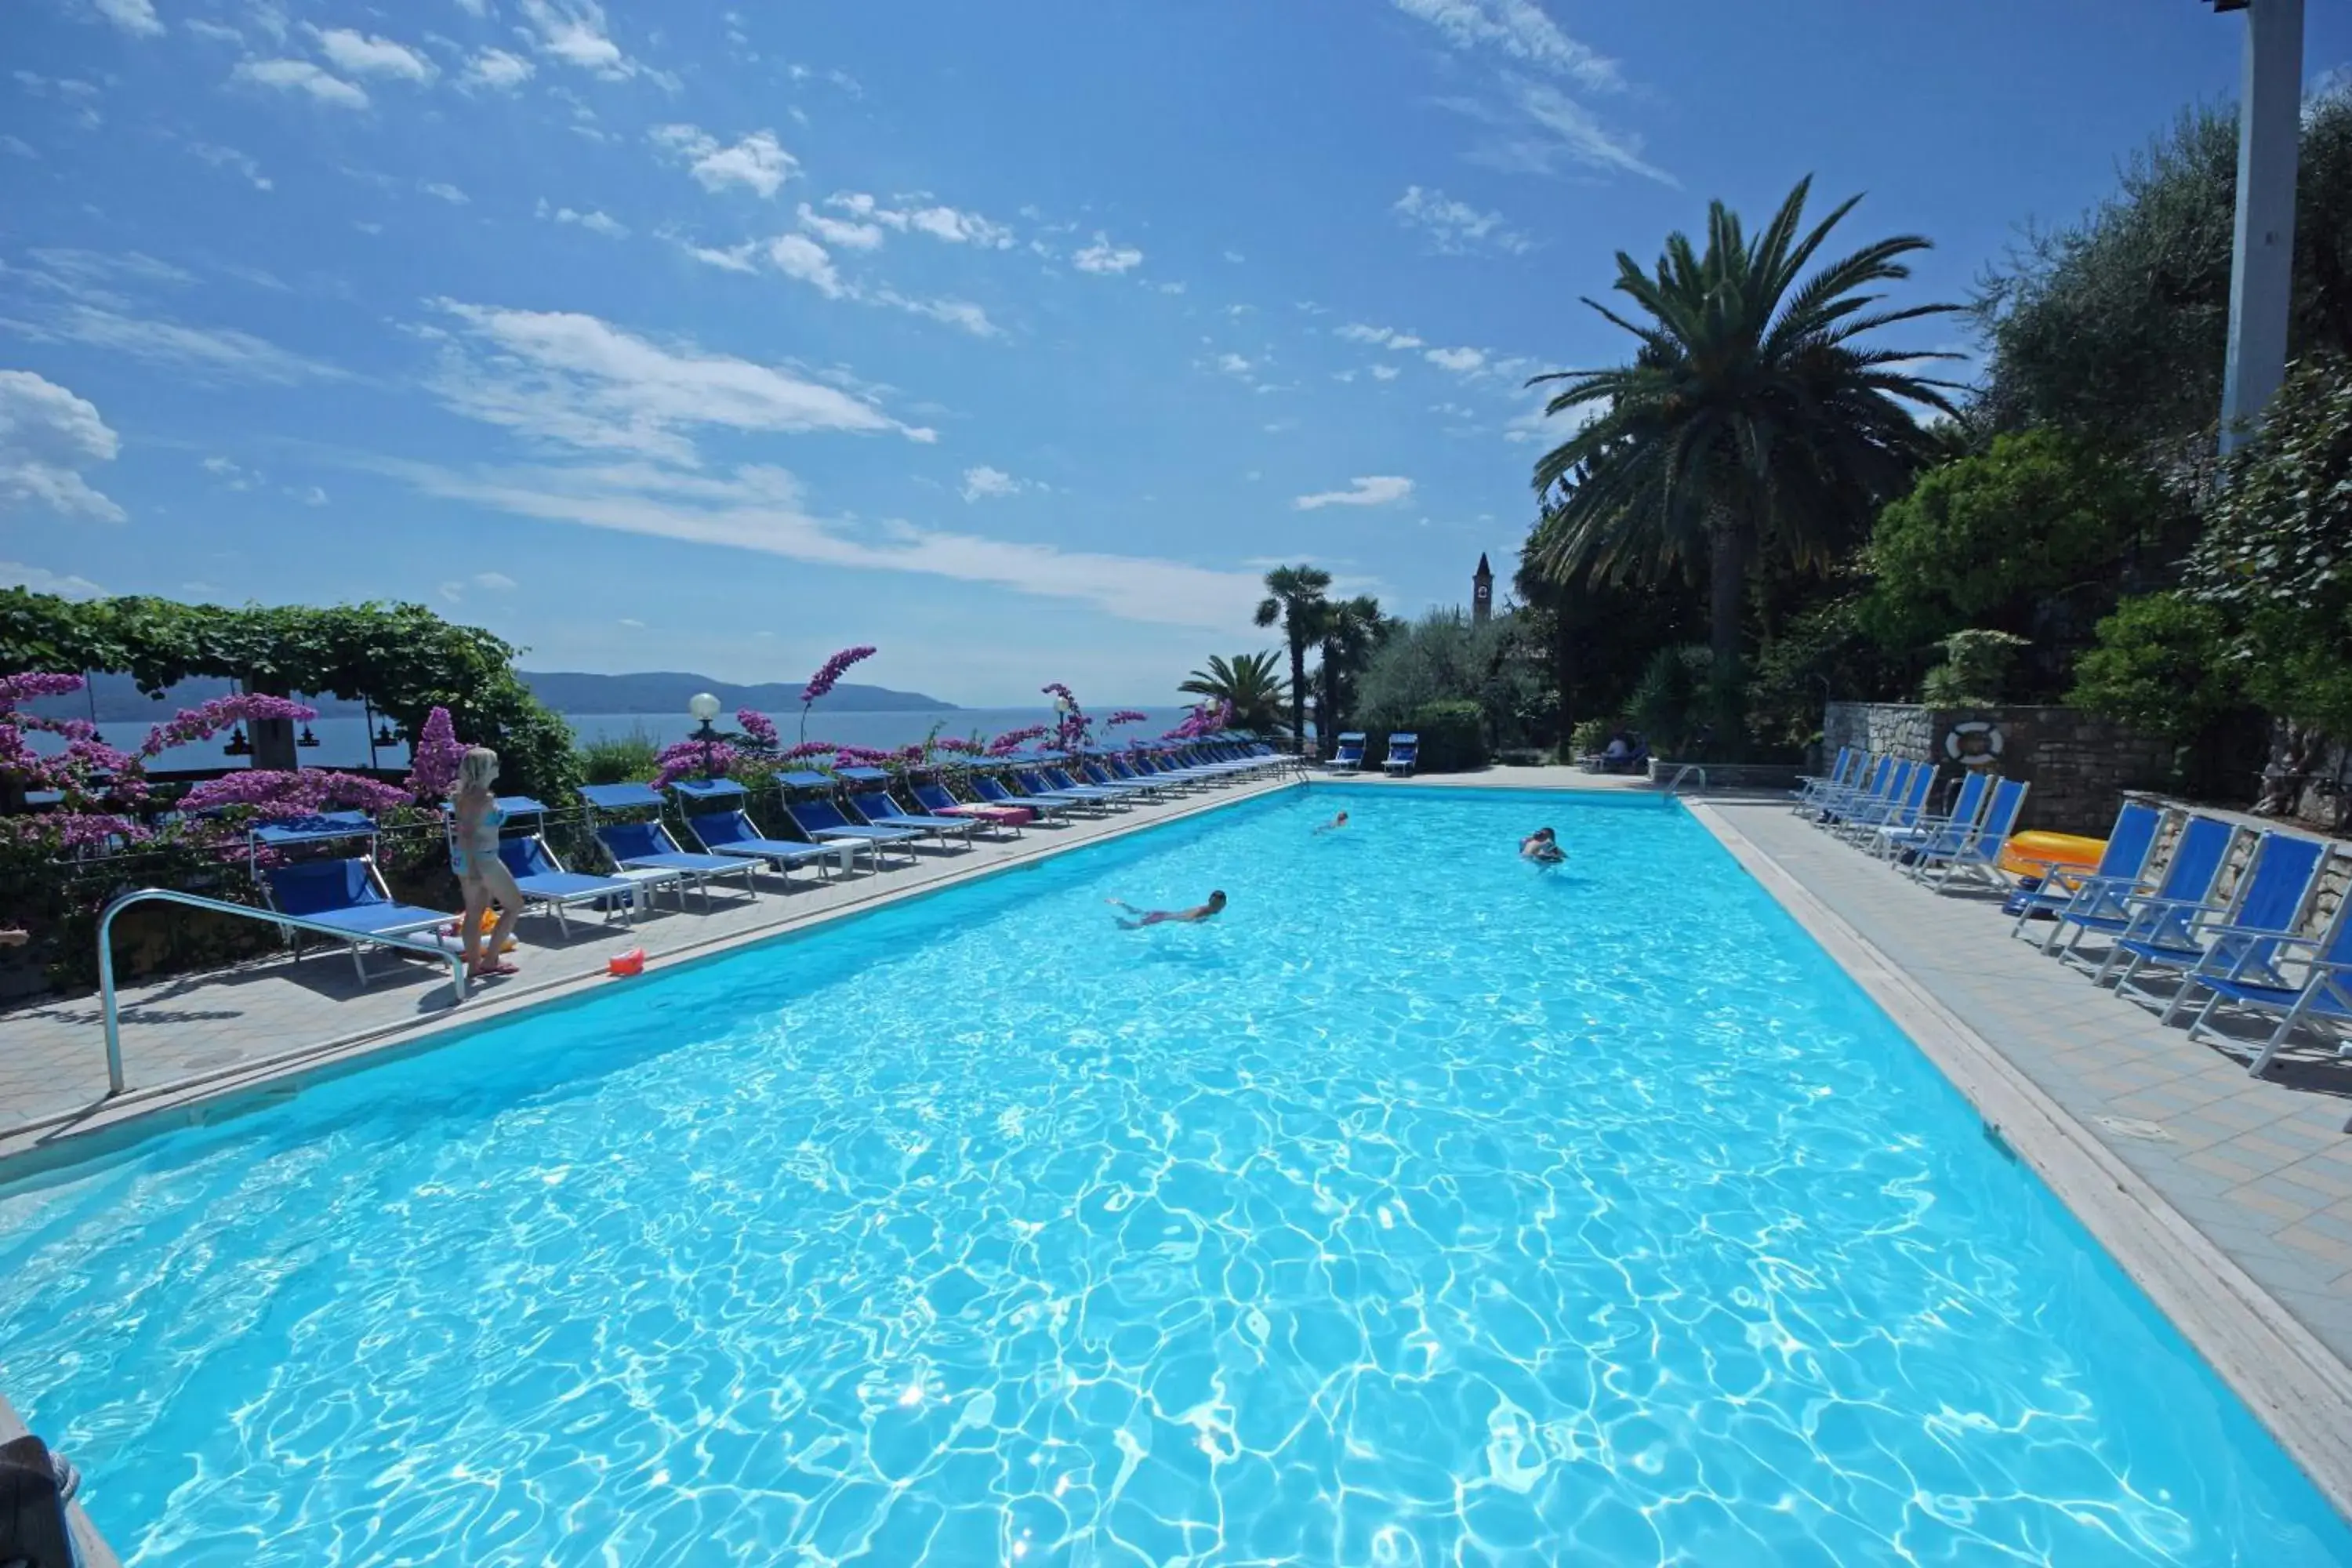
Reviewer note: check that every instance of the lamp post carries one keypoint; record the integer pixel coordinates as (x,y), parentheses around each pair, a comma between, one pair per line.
(704,708)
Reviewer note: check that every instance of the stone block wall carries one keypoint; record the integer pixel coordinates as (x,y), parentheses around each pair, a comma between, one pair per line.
(2078,765)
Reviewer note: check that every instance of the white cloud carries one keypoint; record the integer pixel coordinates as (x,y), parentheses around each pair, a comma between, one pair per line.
(41,580)
(48,436)
(1462,361)
(980,483)
(1235,256)
(475,7)
(577,381)
(1534,424)
(455,590)
(958,313)
(1518,29)
(213,30)
(1236,366)
(733,259)
(230,158)
(836,232)
(573,31)
(1538,130)
(594,222)
(1104,258)
(765,509)
(866,209)
(1379,336)
(1373,490)
(232,475)
(443,190)
(219,353)
(301,76)
(360,54)
(970,228)
(758,161)
(1384,373)
(496,582)
(498,70)
(798,257)
(20,146)
(136,17)
(1458,228)
(314,496)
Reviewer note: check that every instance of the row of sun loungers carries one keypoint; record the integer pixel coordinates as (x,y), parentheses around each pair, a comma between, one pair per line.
(2274,949)
(858,812)
(1403,753)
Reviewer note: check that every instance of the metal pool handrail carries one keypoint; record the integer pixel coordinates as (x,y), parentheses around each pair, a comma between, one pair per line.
(457,961)
(1683,772)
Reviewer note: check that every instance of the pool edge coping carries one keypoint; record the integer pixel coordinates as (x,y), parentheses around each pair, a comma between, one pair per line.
(108,1126)
(2292,1383)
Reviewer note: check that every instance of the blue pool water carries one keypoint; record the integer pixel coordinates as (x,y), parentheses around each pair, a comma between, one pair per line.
(1425,1208)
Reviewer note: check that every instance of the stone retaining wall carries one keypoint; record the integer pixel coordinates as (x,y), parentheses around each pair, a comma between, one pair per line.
(2078,765)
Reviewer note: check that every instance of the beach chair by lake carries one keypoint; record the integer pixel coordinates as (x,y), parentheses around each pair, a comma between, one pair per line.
(817,815)
(647,844)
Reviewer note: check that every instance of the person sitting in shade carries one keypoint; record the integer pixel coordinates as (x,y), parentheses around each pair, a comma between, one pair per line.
(1542,847)
(1168,917)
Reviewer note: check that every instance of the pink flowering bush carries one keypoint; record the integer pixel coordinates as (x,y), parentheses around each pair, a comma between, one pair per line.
(1126,716)
(1012,741)
(687,759)
(1205,721)
(758,729)
(434,759)
(206,720)
(301,794)
(821,683)
(1075,729)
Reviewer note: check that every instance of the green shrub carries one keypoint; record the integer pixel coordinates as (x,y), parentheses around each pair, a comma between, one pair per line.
(1589,737)
(1453,736)
(619,759)
(1672,703)
(1975,671)
(2161,666)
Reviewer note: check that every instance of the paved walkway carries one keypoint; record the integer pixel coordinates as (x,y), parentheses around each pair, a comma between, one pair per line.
(230,1026)
(2262,1167)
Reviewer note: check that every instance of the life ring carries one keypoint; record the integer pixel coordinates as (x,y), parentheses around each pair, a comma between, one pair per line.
(1975,743)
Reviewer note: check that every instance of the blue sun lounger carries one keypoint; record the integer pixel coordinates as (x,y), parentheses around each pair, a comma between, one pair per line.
(1060,779)
(1349,756)
(2071,896)
(1841,773)
(1036,785)
(647,845)
(1933,835)
(541,879)
(715,818)
(2189,880)
(934,798)
(823,822)
(1404,754)
(1977,857)
(2240,937)
(2321,998)
(990,788)
(350,896)
(872,800)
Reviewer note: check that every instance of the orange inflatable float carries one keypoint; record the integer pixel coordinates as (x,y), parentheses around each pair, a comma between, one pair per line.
(2034,854)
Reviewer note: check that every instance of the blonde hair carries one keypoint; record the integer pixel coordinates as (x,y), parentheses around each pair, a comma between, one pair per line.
(479,767)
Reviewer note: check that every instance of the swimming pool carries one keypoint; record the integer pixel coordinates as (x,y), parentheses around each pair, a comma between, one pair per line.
(1424,1207)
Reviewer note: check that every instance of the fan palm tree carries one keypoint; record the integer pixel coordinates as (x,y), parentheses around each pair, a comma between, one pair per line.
(1251,682)
(1750,418)
(1295,598)
(1349,631)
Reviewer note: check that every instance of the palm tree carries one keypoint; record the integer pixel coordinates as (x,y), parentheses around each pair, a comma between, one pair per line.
(1295,598)
(1251,682)
(1750,419)
(1349,631)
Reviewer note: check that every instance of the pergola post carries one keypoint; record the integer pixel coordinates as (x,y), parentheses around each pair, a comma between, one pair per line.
(2262,272)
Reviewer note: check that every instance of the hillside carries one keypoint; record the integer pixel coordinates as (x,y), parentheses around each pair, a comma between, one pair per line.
(661,691)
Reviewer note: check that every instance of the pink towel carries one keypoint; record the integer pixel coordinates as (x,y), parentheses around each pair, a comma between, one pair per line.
(1010,816)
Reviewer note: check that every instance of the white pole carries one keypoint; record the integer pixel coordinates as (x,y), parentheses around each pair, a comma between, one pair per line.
(2261,274)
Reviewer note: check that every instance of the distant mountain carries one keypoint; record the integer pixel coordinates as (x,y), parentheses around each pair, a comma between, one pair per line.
(119,701)
(668,691)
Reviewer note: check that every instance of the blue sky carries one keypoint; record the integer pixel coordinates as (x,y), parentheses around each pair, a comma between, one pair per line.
(1016,338)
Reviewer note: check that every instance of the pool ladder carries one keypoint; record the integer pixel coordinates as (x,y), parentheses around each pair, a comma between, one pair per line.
(1683,772)
(107,1001)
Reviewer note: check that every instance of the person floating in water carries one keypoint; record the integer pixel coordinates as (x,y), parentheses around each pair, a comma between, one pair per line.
(1335,824)
(1542,847)
(1163,917)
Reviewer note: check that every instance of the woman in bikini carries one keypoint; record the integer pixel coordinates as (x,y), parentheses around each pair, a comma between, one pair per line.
(1542,847)
(474,855)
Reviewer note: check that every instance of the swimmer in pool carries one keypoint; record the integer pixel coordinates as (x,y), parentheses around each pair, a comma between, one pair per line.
(1165,917)
(1542,847)
(1335,824)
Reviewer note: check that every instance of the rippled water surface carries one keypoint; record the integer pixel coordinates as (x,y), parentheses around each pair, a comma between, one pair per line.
(1425,1208)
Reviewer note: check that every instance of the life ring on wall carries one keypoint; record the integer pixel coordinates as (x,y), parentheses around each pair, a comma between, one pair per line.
(1974,744)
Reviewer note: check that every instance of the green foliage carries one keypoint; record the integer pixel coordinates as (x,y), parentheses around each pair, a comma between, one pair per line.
(1295,598)
(403,658)
(1251,682)
(1453,736)
(1590,736)
(1823,654)
(2032,537)
(1346,632)
(2115,327)
(2161,666)
(619,759)
(1975,671)
(2277,554)
(1671,706)
(1498,667)
(1751,419)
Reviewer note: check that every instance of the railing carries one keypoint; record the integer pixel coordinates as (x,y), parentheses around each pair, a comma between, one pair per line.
(1683,772)
(294,922)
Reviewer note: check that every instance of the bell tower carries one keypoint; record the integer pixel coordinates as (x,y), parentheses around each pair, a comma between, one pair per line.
(1482,591)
